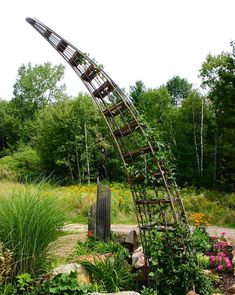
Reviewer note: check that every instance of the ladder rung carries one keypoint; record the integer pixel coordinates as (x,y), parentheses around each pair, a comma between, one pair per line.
(133,126)
(61,46)
(135,153)
(154,201)
(103,90)
(115,109)
(89,74)
(76,59)
(47,33)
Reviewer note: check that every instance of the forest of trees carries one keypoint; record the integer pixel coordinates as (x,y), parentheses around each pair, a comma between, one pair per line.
(43,131)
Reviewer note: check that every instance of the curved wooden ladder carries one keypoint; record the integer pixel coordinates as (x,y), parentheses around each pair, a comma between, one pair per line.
(157,201)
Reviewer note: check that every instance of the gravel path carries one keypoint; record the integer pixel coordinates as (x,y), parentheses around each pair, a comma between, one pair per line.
(125,228)
(64,247)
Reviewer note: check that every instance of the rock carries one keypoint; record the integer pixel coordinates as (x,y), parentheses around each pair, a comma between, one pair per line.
(233,263)
(83,276)
(191,293)
(118,293)
(231,289)
(92,258)
(233,260)
(131,241)
(138,260)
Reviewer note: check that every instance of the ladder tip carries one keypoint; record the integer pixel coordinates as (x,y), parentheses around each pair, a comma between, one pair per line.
(30,20)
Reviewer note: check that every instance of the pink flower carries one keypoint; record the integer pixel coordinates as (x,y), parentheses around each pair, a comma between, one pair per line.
(223,233)
(222,254)
(220,267)
(220,258)
(226,259)
(228,264)
(213,259)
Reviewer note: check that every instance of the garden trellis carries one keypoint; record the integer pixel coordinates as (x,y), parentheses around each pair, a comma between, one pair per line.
(156,198)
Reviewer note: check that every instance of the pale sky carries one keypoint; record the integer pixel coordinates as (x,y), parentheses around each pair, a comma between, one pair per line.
(150,40)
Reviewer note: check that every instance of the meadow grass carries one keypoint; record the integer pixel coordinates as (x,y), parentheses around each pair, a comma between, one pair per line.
(218,207)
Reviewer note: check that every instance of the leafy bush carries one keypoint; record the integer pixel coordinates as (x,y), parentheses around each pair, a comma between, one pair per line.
(173,267)
(65,284)
(24,283)
(23,165)
(113,273)
(203,260)
(201,240)
(29,222)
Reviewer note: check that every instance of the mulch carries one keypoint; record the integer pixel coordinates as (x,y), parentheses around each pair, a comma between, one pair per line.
(226,281)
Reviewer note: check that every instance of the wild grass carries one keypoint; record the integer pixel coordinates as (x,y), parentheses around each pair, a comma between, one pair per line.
(93,246)
(218,207)
(29,223)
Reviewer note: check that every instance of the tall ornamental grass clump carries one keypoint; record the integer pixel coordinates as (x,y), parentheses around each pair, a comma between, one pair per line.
(30,220)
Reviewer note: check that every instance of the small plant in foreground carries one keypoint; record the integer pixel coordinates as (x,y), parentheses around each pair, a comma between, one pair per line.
(114,273)
(66,284)
(148,291)
(203,260)
(5,264)
(23,285)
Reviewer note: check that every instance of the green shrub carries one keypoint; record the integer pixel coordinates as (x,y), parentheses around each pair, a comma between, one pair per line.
(201,240)
(24,283)
(174,267)
(23,165)
(29,222)
(203,260)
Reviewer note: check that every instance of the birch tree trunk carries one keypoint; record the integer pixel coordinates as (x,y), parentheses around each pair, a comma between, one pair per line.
(78,163)
(201,135)
(215,157)
(87,156)
(195,142)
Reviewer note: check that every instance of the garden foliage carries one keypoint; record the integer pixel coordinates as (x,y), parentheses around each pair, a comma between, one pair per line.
(29,223)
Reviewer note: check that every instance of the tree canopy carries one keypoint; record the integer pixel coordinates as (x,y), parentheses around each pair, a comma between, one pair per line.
(41,126)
